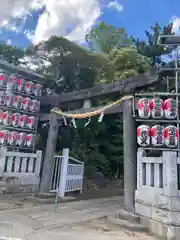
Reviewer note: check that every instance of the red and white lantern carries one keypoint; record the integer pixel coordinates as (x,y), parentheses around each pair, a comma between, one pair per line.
(2,98)
(157,135)
(29,87)
(170,108)
(9,99)
(29,140)
(26,102)
(20,84)
(35,105)
(31,122)
(143,135)
(157,108)
(21,139)
(2,79)
(15,119)
(17,101)
(11,83)
(7,118)
(1,116)
(144,108)
(12,138)
(38,89)
(171,136)
(22,121)
(4,137)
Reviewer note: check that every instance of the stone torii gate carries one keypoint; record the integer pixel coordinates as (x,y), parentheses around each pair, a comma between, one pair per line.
(123,87)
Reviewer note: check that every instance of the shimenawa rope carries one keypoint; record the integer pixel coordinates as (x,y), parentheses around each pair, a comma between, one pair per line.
(92,113)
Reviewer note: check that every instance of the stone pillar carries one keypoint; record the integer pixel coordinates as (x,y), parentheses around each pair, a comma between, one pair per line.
(130,156)
(48,164)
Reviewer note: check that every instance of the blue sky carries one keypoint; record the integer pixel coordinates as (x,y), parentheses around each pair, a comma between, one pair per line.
(71,18)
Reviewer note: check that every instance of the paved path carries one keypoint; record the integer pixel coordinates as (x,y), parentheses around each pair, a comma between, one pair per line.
(72,220)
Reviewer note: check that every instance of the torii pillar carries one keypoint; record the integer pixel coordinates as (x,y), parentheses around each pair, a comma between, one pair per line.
(130,156)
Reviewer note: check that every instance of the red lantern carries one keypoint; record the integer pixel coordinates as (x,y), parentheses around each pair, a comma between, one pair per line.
(144,108)
(7,118)
(171,136)
(17,102)
(157,108)
(21,139)
(4,137)
(1,116)
(157,135)
(12,83)
(31,122)
(15,119)
(9,99)
(143,135)
(22,121)
(12,138)
(35,106)
(38,90)
(29,87)
(2,98)
(2,79)
(170,108)
(20,84)
(26,102)
(29,140)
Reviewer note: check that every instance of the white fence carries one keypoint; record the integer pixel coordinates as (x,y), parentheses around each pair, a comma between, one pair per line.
(21,168)
(67,174)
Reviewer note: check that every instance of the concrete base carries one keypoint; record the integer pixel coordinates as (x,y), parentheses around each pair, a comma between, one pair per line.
(160,229)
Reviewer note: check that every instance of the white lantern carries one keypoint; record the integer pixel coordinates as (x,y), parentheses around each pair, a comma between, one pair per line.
(31,122)
(171,136)
(20,84)
(157,135)
(22,121)
(17,101)
(2,78)
(143,135)
(35,106)
(12,138)
(4,137)
(29,140)
(38,90)
(157,108)
(1,116)
(11,83)
(21,139)
(26,102)
(7,118)
(29,87)
(144,108)
(9,99)
(170,108)
(15,119)
(2,98)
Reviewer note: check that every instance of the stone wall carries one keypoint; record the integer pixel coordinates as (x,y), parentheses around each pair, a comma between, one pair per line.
(157,198)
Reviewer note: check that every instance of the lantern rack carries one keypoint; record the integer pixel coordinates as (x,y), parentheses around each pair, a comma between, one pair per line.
(19,93)
(176,94)
(9,70)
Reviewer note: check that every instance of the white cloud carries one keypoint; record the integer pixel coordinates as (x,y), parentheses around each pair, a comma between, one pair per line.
(69,18)
(116,5)
(176,24)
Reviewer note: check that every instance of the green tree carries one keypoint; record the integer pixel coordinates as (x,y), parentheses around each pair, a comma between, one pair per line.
(149,47)
(11,54)
(105,38)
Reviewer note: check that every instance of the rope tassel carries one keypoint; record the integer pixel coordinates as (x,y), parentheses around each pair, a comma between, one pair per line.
(74,123)
(101,117)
